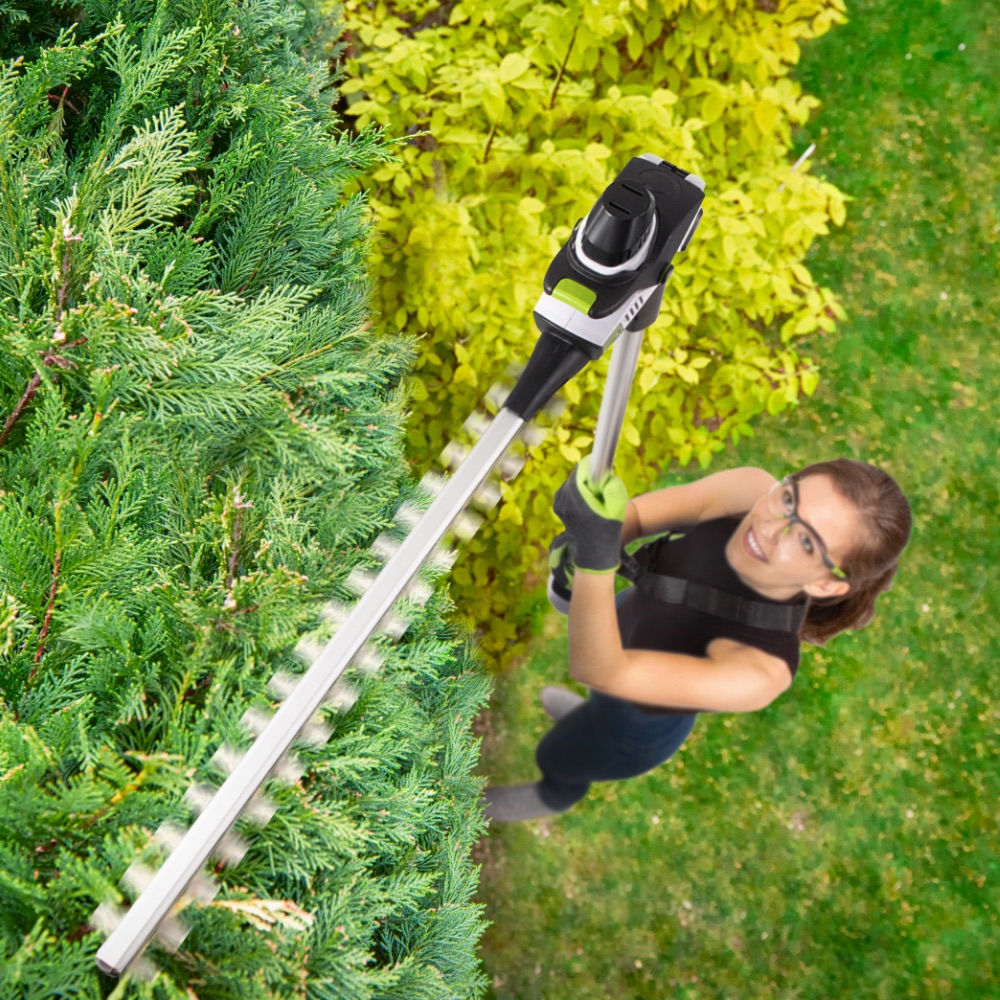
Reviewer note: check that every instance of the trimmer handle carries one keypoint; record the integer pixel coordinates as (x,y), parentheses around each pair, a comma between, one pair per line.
(608,280)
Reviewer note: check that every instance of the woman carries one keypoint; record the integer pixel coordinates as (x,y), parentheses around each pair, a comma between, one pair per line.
(822,543)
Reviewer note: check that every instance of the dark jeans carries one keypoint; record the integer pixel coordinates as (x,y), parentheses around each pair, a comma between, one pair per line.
(605,739)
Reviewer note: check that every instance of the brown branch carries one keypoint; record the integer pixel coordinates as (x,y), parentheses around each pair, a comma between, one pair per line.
(48,616)
(489,143)
(234,559)
(62,298)
(33,385)
(562,69)
(36,380)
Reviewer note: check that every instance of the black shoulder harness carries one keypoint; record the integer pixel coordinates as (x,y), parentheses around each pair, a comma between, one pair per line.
(700,597)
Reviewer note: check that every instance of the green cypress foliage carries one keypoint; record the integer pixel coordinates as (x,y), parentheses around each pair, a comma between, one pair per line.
(200,436)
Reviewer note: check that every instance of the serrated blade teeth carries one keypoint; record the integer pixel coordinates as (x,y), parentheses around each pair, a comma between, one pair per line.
(385,547)
(498,392)
(341,697)
(254,720)
(511,466)
(282,684)
(260,809)
(453,455)
(289,768)
(315,732)
(392,624)
(466,525)
(226,758)
(432,483)
(168,835)
(107,917)
(553,410)
(419,591)
(202,888)
(369,661)
(360,580)
(198,796)
(142,968)
(444,558)
(307,650)
(335,613)
(476,423)
(136,877)
(170,932)
(487,496)
(231,848)
(534,436)
(408,515)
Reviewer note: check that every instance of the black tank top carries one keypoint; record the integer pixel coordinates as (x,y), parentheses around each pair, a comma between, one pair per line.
(700,555)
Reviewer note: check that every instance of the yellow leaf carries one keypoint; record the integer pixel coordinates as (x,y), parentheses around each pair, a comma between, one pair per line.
(806,324)
(689,310)
(493,100)
(352,86)
(703,33)
(765,114)
(776,402)
(460,136)
(513,66)
(510,512)
(634,45)
(810,380)
(712,107)
(530,206)
(838,211)
(569,453)
(647,379)
(631,435)
(802,273)
(781,286)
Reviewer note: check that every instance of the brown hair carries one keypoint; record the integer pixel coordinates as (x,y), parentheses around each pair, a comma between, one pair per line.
(871,565)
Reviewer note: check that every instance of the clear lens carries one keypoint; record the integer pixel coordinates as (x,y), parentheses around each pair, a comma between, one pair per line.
(797,540)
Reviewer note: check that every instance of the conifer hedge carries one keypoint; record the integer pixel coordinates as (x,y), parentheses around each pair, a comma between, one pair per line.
(201,436)
(520,114)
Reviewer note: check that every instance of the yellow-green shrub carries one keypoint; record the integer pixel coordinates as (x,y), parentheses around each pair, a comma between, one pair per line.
(531,109)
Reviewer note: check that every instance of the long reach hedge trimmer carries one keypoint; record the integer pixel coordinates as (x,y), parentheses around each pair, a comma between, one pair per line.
(606,281)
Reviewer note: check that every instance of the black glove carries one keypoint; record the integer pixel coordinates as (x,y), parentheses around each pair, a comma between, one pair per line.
(561,565)
(594,515)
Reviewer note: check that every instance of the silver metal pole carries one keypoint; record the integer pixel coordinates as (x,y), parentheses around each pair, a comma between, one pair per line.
(202,839)
(621,373)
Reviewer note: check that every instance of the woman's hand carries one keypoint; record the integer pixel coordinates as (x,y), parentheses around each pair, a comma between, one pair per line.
(593,515)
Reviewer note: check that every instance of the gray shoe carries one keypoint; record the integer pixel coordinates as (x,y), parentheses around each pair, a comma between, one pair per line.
(509,803)
(559,702)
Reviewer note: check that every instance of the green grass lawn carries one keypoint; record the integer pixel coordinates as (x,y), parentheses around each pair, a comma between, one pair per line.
(843,842)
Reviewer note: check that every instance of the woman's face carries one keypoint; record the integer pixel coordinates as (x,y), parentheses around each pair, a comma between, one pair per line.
(780,558)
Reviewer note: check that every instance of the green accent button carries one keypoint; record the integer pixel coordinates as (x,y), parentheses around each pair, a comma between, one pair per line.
(574,294)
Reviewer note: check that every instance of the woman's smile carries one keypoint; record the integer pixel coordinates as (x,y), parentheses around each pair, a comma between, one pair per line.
(752,545)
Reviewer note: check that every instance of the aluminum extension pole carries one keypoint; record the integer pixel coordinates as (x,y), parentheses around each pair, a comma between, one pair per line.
(184,863)
(617,388)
